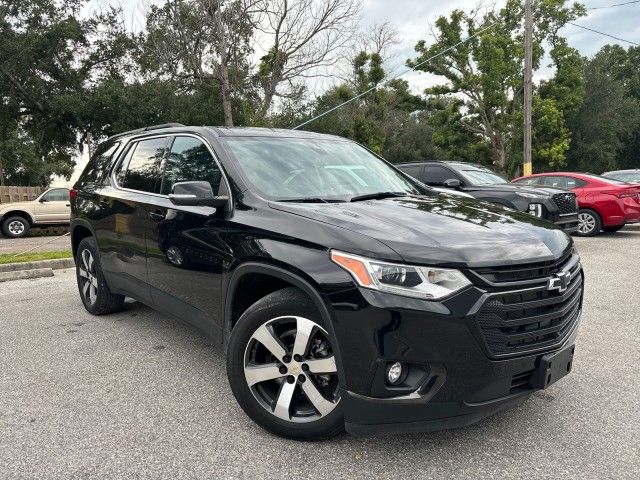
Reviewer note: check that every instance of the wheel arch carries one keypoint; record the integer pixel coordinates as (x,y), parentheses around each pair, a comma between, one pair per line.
(17,213)
(80,229)
(283,275)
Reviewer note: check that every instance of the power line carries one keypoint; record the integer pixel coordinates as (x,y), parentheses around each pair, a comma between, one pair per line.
(602,33)
(360,95)
(614,5)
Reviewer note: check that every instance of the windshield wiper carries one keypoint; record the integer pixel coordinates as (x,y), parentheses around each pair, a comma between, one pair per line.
(377,196)
(310,200)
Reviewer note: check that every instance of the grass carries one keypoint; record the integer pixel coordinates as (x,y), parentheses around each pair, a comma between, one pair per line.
(33,256)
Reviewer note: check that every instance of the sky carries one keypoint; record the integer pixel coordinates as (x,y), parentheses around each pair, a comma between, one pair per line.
(413,18)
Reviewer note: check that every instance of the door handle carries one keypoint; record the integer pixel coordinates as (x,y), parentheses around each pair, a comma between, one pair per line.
(67,205)
(157,217)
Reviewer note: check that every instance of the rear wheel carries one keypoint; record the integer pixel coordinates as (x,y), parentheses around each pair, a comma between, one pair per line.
(94,292)
(16,227)
(589,223)
(613,229)
(282,370)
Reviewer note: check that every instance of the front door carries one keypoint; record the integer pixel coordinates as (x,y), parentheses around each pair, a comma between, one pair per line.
(186,249)
(53,206)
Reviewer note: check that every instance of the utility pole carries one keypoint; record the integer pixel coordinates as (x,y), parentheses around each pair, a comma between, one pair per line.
(528,84)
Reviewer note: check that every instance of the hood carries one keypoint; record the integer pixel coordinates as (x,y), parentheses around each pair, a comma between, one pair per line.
(443,230)
(515,188)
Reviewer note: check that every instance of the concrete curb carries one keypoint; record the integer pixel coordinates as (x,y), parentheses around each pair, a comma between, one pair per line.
(52,264)
(26,270)
(25,274)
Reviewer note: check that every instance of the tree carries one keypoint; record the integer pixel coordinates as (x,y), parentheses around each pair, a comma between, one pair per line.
(484,75)
(389,120)
(198,42)
(608,119)
(49,59)
(306,38)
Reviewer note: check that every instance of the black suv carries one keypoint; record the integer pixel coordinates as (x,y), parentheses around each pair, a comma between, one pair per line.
(345,292)
(552,204)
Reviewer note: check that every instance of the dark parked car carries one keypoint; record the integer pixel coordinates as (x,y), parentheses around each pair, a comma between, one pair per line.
(629,176)
(552,204)
(345,292)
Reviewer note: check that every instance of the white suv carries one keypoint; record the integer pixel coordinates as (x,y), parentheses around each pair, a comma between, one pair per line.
(50,208)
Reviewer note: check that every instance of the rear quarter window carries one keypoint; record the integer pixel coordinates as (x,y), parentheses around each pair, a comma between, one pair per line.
(97,170)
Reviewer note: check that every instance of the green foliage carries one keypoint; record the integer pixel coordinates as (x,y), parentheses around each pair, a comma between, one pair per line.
(483,78)
(606,126)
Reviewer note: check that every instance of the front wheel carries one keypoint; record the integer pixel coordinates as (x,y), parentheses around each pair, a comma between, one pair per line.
(589,223)
(16,227)
(282,369)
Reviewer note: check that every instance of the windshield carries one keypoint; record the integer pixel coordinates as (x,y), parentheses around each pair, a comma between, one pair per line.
(300,168)
(482,177)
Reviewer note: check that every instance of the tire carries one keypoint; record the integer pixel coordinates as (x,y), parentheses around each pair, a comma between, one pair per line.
(613,229)
(589,223)
(16,227)
(278,398)
(94,292)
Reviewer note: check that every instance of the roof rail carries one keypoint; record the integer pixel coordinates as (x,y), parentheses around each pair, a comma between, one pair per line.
(145,129)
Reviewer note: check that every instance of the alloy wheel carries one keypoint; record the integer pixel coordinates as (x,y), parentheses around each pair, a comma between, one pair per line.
(16,227)
(88,278)
(586,223)
(290,369)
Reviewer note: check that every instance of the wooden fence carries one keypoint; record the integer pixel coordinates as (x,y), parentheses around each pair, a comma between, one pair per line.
(19,194)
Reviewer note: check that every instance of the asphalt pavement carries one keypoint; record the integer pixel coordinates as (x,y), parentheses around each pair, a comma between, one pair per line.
(140,395)
(43,244)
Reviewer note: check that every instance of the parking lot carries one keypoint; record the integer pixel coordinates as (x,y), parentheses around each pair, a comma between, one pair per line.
(140,395)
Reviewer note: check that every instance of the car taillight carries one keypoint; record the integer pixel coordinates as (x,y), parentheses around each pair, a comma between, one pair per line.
(73,193)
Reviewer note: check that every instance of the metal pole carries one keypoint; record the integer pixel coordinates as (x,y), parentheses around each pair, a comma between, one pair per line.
(528,84)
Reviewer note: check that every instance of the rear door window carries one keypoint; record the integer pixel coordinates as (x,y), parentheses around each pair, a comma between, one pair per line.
(437,175)
(141,168)
(414,170)
(189,159)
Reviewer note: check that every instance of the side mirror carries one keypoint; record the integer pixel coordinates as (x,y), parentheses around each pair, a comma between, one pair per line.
(196,194)
(43,200)
(452,183)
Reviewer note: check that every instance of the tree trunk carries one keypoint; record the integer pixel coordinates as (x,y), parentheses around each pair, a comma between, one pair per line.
(1,174)
(226,95)
(499,153)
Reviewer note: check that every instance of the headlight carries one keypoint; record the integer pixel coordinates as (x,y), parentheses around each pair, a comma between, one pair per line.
(535,209)
(428,283)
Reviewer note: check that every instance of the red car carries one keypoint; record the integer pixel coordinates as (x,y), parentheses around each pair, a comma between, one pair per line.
(603,203)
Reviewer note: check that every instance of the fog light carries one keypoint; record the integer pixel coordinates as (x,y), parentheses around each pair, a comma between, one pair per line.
(394,373)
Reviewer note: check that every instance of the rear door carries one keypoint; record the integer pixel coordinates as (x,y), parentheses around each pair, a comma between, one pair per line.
(123,221)
(53,206)
(186,249)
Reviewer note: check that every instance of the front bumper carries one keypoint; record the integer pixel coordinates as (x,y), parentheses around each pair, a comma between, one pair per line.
(462,374)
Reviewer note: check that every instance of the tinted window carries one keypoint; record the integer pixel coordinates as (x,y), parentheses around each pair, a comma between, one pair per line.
(189,160)
(294,168)
(560,181)
(414,170)
(436,175)
(482,177)
(100,164)
(143,169)
(56,195)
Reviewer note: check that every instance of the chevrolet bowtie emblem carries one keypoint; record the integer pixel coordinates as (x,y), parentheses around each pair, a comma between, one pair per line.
(559,281)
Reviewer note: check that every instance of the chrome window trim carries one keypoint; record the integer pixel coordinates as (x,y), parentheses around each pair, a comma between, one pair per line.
(136,139)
